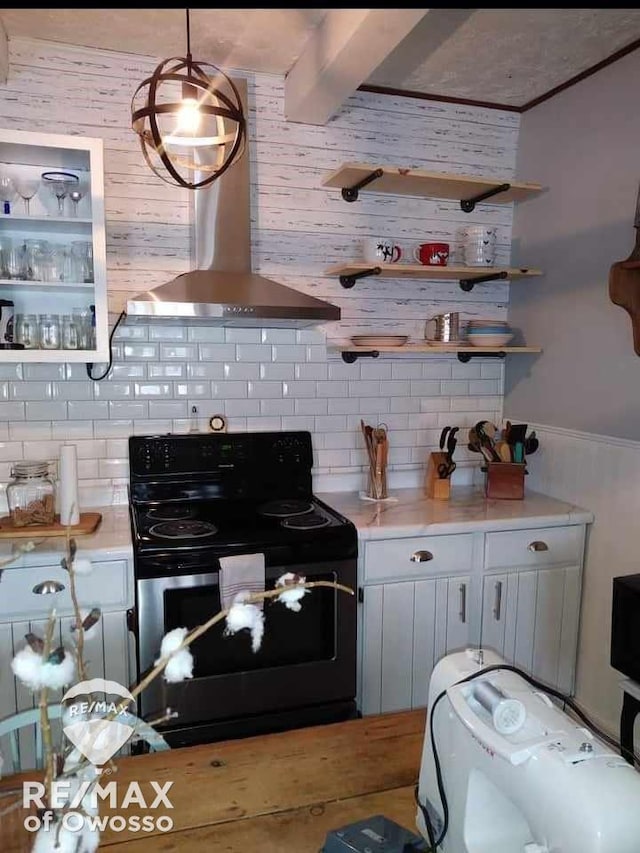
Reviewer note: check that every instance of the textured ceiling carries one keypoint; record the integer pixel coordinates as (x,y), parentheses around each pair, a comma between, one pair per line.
(507,56)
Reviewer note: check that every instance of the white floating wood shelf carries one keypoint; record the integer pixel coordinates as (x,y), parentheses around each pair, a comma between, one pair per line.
(352,178)
(351,352)
(45,224)
(351,271)
(40,285)
(22,218)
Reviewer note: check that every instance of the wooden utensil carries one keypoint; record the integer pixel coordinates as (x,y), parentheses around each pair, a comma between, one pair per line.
(624,283)
(504,451)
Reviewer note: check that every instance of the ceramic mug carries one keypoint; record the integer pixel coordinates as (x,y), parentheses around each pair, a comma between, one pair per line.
(432,254)
(381,251)
(478,254)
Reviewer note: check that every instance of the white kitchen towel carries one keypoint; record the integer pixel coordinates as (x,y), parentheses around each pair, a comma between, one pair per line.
(68,485)
(240,573)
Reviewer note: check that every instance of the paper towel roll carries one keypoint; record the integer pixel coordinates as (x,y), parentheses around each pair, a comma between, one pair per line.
(68,484)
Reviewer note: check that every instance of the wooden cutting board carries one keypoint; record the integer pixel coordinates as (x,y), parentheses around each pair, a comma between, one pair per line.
(89,521)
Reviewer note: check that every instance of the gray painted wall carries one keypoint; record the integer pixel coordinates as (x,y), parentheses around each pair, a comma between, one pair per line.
(583,146)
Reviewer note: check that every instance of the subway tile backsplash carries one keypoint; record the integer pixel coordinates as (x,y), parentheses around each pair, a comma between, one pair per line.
(414,397)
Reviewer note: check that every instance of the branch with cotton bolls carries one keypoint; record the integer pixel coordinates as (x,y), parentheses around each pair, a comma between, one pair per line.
(242,614)
(175,661)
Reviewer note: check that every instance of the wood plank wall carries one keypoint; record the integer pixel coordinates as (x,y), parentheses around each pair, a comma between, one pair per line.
(298,230)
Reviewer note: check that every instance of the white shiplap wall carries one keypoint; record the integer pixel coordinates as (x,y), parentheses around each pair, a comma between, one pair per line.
(262,379)
(601,474)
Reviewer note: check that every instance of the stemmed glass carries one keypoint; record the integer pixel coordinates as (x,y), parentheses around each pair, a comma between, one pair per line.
(60,183)
(26,189)
(76,194)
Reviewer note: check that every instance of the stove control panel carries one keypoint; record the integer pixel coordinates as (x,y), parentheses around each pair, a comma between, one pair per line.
(176,455)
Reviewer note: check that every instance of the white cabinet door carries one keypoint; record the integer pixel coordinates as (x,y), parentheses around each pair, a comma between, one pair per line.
(531,619)
(556,632)
(407,627)
(105,655)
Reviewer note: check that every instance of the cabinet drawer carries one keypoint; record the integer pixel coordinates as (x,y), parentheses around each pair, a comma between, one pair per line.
(391,559)
(540,546)
(105,587)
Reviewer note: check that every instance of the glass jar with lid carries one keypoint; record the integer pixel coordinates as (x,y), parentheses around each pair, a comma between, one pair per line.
(31,494)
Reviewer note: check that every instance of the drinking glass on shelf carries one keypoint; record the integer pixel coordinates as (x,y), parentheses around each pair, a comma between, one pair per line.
(36,254)
(70,332)
(49,331)
(26,189)
(27,332)
(14,260)
(60,183)
(82,319)
(82,251)
(76,194)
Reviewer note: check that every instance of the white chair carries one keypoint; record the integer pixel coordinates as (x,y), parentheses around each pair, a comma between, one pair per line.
(13,725)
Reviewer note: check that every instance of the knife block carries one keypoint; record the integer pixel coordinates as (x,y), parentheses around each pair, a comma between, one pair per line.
(505,480)
(435,486)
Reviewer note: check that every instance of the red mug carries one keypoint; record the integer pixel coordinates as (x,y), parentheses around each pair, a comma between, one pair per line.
(432,254)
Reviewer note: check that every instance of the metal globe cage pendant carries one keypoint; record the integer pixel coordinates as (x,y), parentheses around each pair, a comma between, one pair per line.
(188,121)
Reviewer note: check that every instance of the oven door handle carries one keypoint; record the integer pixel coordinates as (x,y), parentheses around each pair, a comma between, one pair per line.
(132,621)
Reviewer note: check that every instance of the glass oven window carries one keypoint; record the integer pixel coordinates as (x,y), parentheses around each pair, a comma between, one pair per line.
(289,637)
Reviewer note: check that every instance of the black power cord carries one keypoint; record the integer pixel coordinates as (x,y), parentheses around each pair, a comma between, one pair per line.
(435,843)
(123,314)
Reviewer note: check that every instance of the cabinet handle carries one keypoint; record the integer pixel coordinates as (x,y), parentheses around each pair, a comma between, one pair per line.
(421,556)
(497,605)
(48,587)
(537,546)
(463,603)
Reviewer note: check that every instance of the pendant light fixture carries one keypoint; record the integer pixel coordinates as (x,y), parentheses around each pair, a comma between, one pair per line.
(189,119)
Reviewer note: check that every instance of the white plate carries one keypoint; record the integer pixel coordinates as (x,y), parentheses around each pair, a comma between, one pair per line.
(379,340)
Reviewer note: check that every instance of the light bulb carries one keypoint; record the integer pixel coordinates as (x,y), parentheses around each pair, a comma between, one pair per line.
(188,116)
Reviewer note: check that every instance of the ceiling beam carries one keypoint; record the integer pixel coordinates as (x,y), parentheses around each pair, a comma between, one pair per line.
(346,47)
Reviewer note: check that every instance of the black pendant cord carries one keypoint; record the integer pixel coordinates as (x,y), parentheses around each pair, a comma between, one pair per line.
(188,42)
(123,314)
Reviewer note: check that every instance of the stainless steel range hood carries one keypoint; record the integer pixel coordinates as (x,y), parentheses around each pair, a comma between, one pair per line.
(223,290)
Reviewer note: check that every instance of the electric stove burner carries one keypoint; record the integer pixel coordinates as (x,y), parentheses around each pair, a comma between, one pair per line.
(285,508)
(171,512)
(182,529)
(308,521)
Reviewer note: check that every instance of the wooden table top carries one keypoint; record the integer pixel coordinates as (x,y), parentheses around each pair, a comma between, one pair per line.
(278,793)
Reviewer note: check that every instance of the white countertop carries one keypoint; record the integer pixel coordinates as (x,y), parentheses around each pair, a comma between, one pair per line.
(412,514)
(467,510)
(111,540)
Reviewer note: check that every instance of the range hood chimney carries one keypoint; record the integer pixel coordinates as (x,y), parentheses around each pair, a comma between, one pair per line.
(223,290)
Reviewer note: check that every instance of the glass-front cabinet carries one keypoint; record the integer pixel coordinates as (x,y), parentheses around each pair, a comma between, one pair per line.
(53,287)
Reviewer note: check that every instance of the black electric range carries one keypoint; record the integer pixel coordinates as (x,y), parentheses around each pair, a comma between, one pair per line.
(196,498)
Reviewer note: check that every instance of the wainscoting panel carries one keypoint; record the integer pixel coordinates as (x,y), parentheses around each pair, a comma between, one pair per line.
(602,475)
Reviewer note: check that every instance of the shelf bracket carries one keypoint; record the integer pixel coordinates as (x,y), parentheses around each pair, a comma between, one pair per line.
(468,204)
(350,279)
(351,193)
(465,357)
(350,357)
(467,284)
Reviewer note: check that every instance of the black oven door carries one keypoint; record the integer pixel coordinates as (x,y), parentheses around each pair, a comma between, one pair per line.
(307,658)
